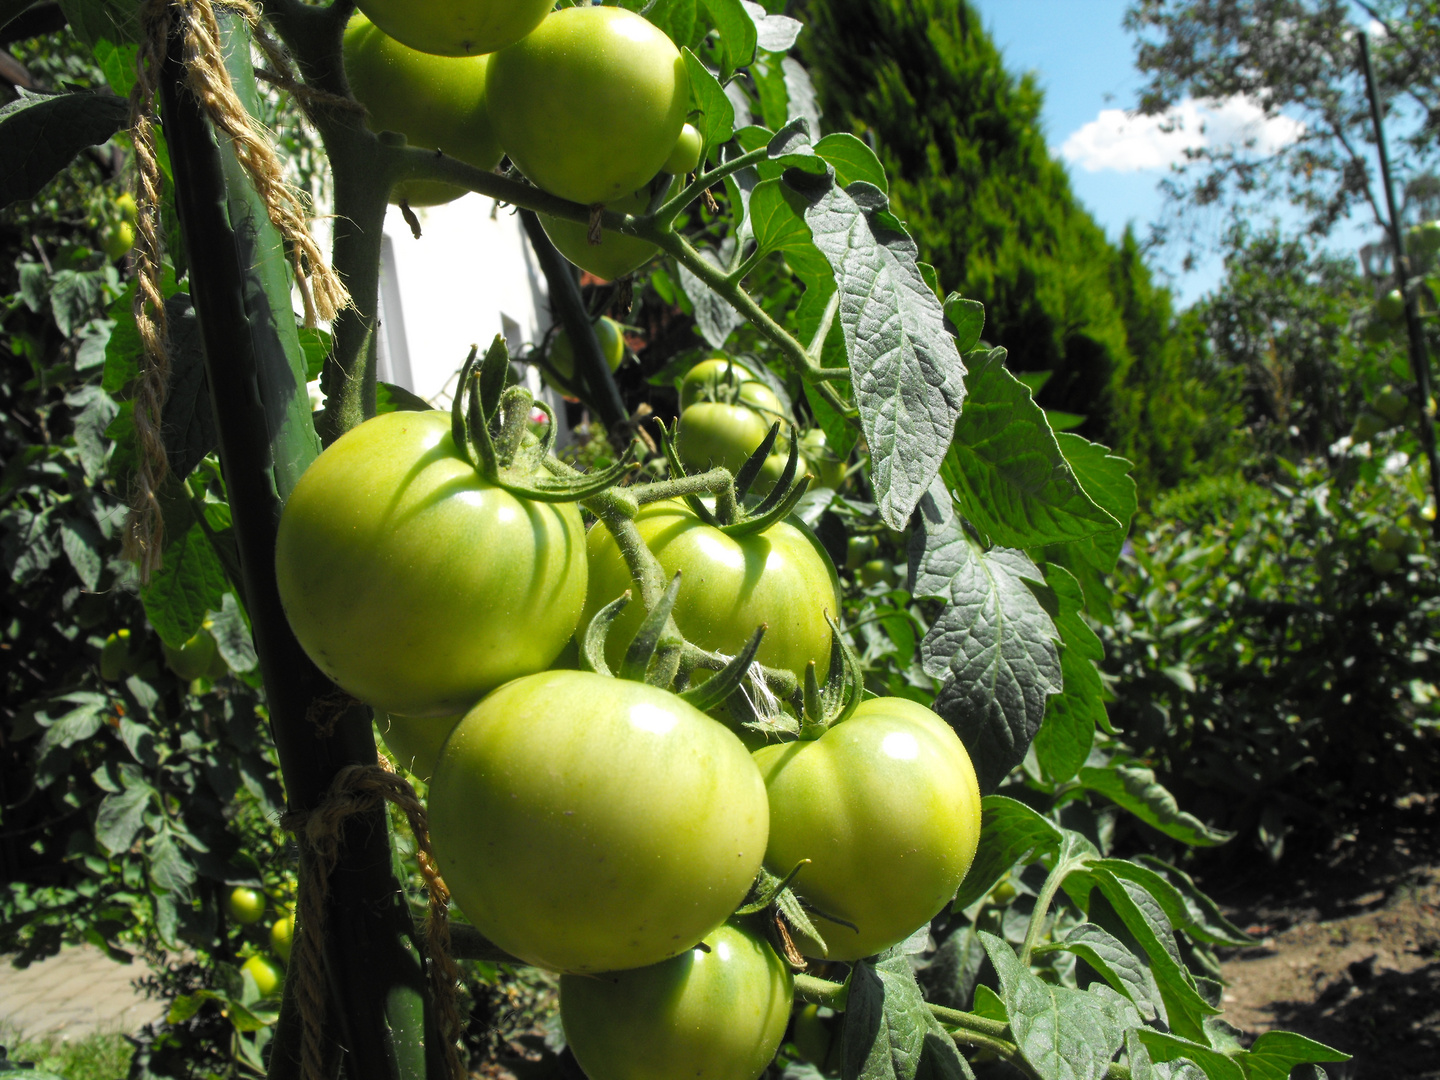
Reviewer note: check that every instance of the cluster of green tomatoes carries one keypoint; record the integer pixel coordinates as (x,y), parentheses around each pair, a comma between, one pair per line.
(248,907)
(609,827)
(589,103)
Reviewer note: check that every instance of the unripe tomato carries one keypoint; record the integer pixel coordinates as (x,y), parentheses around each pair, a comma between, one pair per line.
(608,332)
(119,238)
(416,740)
(1391,306)
(1392,538)
(282,936)
(246,906)
(587,824)
(267,974)
(125,204)
(415,584)
(710,435)
(1367,425)
(1424,239)
(828,471)
(115,660)
(814,1035)
(858,550)
(1384,562)
(887,808)
(436,102)
(686,155)
(617,254)
(195,658)
(729,586)
(720,378)
(719,1013)
(591,103)
(773,469)
(457,27)
(874,572)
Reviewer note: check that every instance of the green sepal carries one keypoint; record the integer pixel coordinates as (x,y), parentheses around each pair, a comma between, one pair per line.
(647,639)
(592,642)
(756,461)
(715,690)
(767,888)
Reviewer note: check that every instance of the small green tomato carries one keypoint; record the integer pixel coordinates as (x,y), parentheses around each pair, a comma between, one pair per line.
(686,155)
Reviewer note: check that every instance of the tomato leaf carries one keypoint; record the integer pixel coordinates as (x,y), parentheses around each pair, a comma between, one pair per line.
(738,36)
(1106,480)
(1009,831)
(1275,1053)
(889,1032)
(1116,964)
(1067,732)
(774,33)
(1137,790)
(714,317)
(852,160)
(121,817)
(716,119)
(993,643)
(1063,1034)
(40,134)
(968,319)
(1006,469)
(777,217)
(1172,1048)
(189,583)
(909,379)
(1205,922)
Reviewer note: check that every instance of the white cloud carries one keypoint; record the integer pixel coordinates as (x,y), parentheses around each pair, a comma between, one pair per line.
(1118,141)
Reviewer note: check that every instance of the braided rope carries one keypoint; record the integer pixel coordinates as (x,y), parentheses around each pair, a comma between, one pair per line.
(320,288)
(362,789)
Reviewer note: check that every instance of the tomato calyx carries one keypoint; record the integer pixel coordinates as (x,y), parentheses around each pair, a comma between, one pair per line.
(657,654)
(730,515)
(511,457)
(787,916)
(835,702)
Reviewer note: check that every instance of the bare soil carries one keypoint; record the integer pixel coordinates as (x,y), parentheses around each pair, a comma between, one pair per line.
(1349,950)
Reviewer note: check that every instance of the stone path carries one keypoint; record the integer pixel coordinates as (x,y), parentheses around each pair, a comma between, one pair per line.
(76,993)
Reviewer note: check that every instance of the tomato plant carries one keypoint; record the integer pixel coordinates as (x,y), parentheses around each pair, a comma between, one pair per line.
(710,435)
(587,824)
(457,27)
(590,104)
(729,585)
(267,974)
(608,332)
(282,936)
(724,378)
(686,155)
(886,807)
(246,906)
(373,590)
(717,1011)
(436,102)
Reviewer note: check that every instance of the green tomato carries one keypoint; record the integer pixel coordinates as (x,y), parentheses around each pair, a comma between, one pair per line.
(195,658)
(1424,239)
(1392,538)
(709,434)
(875,572)
(858,550)
(267,974)
(1391,307)
(246,906)
(116,661)
(590,105)
(1391,404)
(118,239)
(1384,562)
(814,1035)
(617,254)
(589,824)
(773,469)
(608,332)
(685,157)
(886,807)
(436,102)
(829,472)
(457,27)
(1003,892)
(729,585)
(125,205)
(282,936)
(724,379)
(372,568)
(717,1012)
(416,740)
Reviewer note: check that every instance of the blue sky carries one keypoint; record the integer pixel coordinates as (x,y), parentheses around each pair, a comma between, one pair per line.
(1084,61)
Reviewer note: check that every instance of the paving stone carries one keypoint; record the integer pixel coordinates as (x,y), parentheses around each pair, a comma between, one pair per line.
(78,992)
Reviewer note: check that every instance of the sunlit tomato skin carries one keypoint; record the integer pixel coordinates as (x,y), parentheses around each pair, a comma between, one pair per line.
(608,333)
(194,658)
(267,974)
(719,1014)
(246,906)
(710,435)
(719,379)
(617,254)
(773,469)
(457,27)
(686,154)
(282,936)
(886,808)
(591,103)
(587,824)
(828,471)
(729,586)
(416,740)
(436,102)
(415,584)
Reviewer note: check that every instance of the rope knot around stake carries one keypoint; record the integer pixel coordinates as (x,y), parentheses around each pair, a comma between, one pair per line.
(363,789)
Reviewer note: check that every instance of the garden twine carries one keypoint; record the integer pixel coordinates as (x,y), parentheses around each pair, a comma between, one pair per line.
(362,789)
(323,294)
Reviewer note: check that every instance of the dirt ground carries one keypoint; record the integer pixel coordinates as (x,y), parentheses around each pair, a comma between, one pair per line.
(1350,946)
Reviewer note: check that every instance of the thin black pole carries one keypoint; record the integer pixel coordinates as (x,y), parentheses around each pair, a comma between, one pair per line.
(1419,357)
